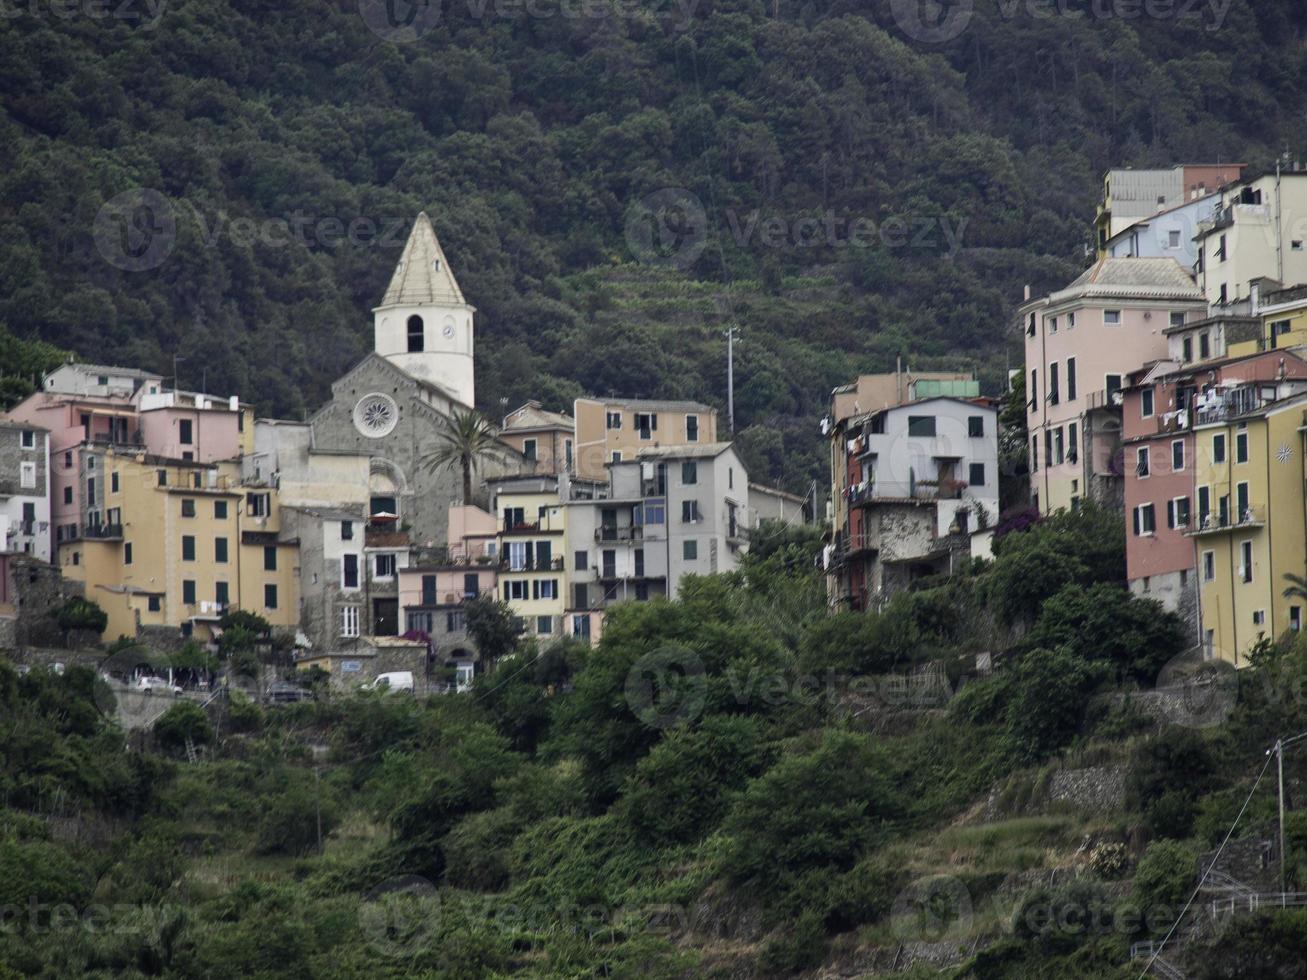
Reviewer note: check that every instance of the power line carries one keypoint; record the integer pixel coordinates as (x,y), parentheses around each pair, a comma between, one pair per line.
(1212,864)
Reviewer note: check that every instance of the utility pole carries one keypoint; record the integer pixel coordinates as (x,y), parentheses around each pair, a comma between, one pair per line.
(317,797)
(730,379)
(1280,745)
(1279,760)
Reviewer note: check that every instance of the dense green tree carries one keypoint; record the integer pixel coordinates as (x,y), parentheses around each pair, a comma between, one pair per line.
(183,722)
(1047,701)
(1106,622)
(685,784)
(816,808)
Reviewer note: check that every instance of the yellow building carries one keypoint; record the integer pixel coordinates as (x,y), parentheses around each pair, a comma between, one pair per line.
(182,542)
(532,534)
(614,429)
(1249,531)
(542,437)
(1282,313)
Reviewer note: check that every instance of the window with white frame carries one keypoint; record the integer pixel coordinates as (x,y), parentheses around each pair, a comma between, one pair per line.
(1209,566)
(384,566)
(1177,455)
(26,475)
(1145,520)
(1112,317)
(516,556)
(1245,561)
(29,439)
(349,621)
(1180,507)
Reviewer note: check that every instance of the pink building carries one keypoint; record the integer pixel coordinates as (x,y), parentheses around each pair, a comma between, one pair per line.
(1157,417)
(88,408)
(1081,343)
(188,425)
(432,594)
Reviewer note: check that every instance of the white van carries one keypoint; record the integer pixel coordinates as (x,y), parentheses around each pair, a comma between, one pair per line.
(395,680)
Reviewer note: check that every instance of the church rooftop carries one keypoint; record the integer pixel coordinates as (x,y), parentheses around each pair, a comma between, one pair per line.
(422,276)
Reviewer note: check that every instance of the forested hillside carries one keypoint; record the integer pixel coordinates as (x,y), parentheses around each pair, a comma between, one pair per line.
(532,134)
(735,784)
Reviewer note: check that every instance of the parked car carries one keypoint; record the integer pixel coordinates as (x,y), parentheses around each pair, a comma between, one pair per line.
(392,682)
(148,685)
(284,692)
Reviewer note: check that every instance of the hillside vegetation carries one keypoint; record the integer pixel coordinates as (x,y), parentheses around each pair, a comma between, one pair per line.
(731,784)
(535,137)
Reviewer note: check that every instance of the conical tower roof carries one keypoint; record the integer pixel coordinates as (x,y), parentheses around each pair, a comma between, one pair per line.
(422,277)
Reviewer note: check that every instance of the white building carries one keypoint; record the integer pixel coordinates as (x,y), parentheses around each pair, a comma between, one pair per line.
(25,489)
(1259,231)
(705,490)
(943,450)
(922,494)
(100,380)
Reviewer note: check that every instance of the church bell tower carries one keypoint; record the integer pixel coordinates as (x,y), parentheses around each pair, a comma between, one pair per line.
(423,325)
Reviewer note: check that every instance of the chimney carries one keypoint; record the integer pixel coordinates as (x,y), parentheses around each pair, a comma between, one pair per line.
(1027,299)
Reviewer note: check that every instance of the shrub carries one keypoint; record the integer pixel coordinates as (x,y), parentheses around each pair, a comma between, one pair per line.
(82,614)
(797,946)
(1059,920)
(1049,691)
(1167,774)
(290,824)
(1105,622)
(1109,860)
(816,809)
(184,720)
(863,642)
(682,788)
(243,715)
(1163,882)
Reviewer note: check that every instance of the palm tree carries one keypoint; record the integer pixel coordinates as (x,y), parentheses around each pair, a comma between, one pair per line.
(1297,588)
(464,439)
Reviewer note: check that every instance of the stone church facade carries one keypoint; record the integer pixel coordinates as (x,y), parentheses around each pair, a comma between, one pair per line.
(362,455)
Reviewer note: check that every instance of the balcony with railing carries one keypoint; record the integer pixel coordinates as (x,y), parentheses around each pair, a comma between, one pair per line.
(614,573)
(1104,398)
(1227,216)
(385,535)
(866,494)
(943,489)
(619,533)
(532,564)
(130,438)
(1228,405)
(529,527)
(104,532)
(1249,518)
